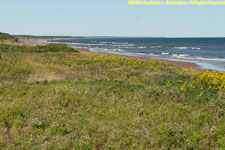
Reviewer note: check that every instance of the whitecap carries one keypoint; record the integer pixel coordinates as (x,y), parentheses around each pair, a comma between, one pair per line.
(164,53)
(142,47)
(197,48)
(180,55)
(181,47)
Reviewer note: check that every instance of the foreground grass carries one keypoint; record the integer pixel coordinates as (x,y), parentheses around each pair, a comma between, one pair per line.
(54,98)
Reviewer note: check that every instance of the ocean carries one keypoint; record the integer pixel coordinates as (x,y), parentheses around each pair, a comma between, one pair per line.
(207,53)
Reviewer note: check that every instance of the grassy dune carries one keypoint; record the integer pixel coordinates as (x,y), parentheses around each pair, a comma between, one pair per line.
(52,97)
(7,38)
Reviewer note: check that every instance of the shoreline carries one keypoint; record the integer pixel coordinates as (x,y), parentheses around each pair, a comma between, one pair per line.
(86,50)
(170,62)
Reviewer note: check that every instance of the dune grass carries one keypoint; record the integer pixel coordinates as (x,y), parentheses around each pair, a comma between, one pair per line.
(52,97)
(7,38)
(36,49)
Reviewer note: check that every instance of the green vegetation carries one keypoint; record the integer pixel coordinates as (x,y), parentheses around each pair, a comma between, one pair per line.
(37,49)
(6,37)
(47,37)
(52,97)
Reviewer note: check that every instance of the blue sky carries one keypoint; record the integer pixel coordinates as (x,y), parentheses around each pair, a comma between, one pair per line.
(110,18)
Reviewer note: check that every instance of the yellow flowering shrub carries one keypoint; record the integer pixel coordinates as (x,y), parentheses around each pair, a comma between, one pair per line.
(209,80)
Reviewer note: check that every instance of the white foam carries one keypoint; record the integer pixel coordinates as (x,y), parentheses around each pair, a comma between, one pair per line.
(152,54)
(147,54)
(75,43)
(122,43)
(120,50)
(185,56)
(165,53)
(142,47)
(197,48)
(104,42)
(211,59)
(180,55)
(141,53)
(194,48)
(156,46)
(181,47)
(128,47)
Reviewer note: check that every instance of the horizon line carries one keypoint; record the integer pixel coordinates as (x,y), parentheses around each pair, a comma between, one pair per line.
(112,36)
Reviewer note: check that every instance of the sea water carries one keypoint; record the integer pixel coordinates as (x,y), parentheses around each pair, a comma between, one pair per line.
(207,53)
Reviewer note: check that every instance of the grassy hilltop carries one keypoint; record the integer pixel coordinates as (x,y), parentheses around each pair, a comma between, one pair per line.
(12,39)
(28,37)
(7,37)
(53,97)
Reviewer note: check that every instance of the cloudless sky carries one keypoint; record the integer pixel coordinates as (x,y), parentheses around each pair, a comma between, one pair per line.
(110,18)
